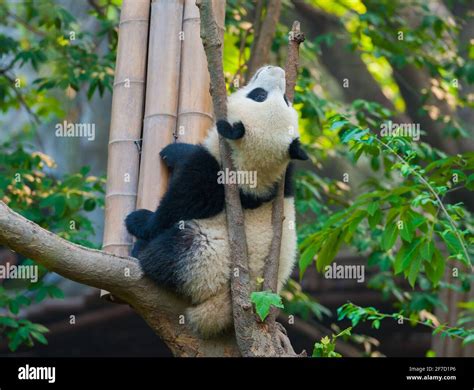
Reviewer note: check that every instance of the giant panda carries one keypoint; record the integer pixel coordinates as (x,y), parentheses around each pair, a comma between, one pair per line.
(184,245)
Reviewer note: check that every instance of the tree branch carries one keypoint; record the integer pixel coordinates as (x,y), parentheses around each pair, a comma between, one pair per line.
(292,59)
(240,277)
(270,274)
(296,37)
(253,339)
(121,276)
(264,33)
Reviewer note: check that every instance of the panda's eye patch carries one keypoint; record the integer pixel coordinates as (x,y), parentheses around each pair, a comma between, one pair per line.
(258,94)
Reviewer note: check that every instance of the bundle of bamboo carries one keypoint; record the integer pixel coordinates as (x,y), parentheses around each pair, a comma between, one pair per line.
(126,124)
(160,47)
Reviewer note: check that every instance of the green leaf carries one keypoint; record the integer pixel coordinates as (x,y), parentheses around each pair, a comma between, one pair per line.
(263,300)
(389,236)
(74,201)
(414,270)
(41,294)
(435,269)
(307,257)
(355,220)
(15,341)
(427,250)
(372,208)
(7,321)
(39,328)
(408,229)
(329,249)
(40,337)
(60,205)
(375,219)
(405,255)
(89,204)
(14,307)
(338,124)
(55,292)
(454,245)
(468,339)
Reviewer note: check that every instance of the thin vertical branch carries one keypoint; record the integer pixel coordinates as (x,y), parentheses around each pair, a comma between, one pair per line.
(270,274)
(235,217)
(253,339)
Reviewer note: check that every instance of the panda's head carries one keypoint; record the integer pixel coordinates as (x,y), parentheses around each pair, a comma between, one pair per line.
(269,138)
(271,135)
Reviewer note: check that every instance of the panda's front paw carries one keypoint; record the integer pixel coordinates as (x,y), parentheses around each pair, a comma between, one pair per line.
(235,131)
(296,151)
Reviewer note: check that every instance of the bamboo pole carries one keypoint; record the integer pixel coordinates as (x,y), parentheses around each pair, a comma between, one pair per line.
(195,113)
(126,124)
(161,102)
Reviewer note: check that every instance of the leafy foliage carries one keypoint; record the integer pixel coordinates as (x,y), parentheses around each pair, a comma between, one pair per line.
(357,314)
(326,347)
(28,187)
(263,300)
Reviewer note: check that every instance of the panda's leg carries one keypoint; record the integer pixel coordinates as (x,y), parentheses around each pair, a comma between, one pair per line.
(191,260)
(137,222)
(213,316)
(163,258)
(138,247)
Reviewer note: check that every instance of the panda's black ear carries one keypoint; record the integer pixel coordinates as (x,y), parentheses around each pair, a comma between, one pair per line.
(296,151)
(235,131)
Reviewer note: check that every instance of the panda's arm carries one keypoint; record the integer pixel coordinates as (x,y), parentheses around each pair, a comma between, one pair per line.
(193,193)
(289,189)
(296,151)
(177,153)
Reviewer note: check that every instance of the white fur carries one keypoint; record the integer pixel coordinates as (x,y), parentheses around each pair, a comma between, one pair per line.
(209,282)
(270,127)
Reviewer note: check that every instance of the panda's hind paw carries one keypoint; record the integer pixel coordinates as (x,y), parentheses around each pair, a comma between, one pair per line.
(137,221)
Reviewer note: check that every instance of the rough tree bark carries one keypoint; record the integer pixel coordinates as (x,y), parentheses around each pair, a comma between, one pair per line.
(253,338)
(270,274)
(121,276)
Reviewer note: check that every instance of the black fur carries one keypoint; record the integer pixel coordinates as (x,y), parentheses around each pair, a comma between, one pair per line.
(258,95)
(175,154)
(250,201)
(289,189)
(137,221)
(139,246)
(193,193)
(296,151)
(235,131)
(162,259)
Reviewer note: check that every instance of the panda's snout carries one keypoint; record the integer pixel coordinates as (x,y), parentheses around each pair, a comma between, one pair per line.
(272,77)
(276,71)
